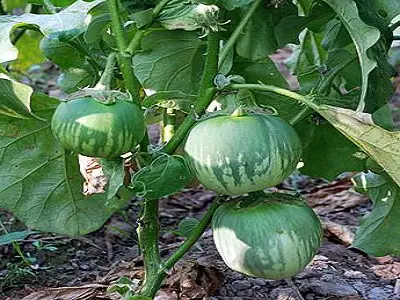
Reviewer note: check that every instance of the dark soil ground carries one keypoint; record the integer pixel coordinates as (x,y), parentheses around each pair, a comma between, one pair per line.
(82,268)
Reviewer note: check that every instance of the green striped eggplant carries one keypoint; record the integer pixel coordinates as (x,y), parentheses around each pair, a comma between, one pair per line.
(237,154)
(91,128)
(272,239)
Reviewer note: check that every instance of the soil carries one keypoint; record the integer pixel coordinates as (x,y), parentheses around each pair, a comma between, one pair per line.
(82,268)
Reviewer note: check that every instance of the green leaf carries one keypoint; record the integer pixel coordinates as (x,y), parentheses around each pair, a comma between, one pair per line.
(383,117)
(170,61)
(41,183)
(97,27)
(115,173)
(15,99)
(232,4)
(17,236)
(73,17)
(265,71)
(326,152)
(363,36)
(171,99)
(74,79)
(166,175)
(61,53)
(9,5)
(258,39)
(379,231)
(28,51)
(186,226)
(381,145)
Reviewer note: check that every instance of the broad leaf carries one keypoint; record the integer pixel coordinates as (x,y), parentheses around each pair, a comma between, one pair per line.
(74,79)
(258,39)
(379,231)
(73,17)
(28,51)
(166,175)
(326,152)
(170,61)
(17,236)
(15,99)
(40,182)
(381,145)
(363,36)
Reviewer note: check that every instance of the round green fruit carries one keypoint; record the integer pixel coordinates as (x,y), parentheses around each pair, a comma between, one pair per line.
(234,155)
(91,128)
(274,239)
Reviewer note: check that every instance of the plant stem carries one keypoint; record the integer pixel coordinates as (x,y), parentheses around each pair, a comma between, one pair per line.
(148,231)
(169,120)
(106,78)
(135,42)
(193,237)
(300,116)
(205,94)
(270,88)
(124,59)
(238,31)
(158,8)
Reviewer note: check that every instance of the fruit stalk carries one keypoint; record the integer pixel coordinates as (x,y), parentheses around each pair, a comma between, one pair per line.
(205,95)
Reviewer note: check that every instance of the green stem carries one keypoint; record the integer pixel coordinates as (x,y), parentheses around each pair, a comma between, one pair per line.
(158,8)
(169,120)
(270,88)
(107,76)
(193,237)
(124,58)
(300,116)
(205,95)
(134,44)
(148,232)
(238,31)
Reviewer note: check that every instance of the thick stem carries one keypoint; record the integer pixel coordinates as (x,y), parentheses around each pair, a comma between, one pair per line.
(205,95)
(49,7)
(124,59)
(238,31)
(300,116)
(148,231)
(135,42)
(193,237)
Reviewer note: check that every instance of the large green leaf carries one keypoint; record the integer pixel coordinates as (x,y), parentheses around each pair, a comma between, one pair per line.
(327,153)
(28,51)
(164,176)
(40,182)
(170,61)
(15,99)
(379,231)
(363,36)
(258,39)
(73,17)
(381,145)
